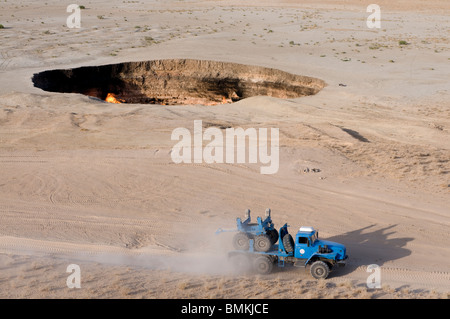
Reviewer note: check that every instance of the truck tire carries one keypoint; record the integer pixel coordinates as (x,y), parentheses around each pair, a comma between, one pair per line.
(262,243)
(288,243)
(263,265)
(240,241)
(319,270)
(273,234)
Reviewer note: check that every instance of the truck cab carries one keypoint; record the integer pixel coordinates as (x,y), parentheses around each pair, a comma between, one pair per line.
(305,242)
(308,250)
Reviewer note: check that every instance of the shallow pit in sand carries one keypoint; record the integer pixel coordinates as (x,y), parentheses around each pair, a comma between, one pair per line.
(177,81)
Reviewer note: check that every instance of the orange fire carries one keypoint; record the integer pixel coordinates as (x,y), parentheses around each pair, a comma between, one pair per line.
(111,98)
(226,100)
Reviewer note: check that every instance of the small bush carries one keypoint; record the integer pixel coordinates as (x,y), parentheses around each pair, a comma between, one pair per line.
(402,42)
(82,7)
(1,26)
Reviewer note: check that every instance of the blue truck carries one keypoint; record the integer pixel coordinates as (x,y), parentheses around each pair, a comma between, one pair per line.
(306,250)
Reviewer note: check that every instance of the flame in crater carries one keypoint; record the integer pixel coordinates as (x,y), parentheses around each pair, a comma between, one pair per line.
(111,98)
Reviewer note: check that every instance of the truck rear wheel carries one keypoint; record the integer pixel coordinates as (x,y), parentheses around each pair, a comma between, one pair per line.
(262,243)
(241,241)
(263,265)
(319,270)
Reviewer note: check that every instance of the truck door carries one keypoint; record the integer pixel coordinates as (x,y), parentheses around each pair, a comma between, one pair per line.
(303,248)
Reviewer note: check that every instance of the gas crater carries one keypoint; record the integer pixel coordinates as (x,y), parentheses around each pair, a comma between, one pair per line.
(177,82)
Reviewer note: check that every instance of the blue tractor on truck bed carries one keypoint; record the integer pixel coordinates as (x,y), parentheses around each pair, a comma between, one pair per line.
(306,250)
(262,233)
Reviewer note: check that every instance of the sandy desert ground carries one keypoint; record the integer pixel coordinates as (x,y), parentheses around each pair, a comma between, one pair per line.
(92,183)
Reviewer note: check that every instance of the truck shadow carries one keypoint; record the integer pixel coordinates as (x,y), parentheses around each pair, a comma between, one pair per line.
(367,245)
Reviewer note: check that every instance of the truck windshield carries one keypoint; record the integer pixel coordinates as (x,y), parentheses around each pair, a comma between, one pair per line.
(313,238)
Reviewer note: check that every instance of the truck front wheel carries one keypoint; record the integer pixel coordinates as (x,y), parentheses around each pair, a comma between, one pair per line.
(319,270)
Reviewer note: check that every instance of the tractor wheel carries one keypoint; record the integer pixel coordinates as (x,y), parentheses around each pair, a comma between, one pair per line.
(319,270)
(273,234)
(240,241)
(288,243)
(262,243)
(263,265)
(241,263)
